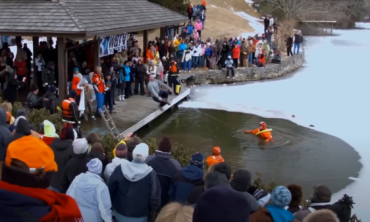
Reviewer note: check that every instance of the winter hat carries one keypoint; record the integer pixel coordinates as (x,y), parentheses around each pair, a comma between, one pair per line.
(121,150)
(49,129)
(52,88)
(229,57)
(197,159)
(17,120)
(140,153)
(322,193)
(73,94)
(280,197)
(321,216)
(223,168)
(34,87)
(220,204)
(75,69)
(165,145)
(20,112)
(33,152)
(241,180)
(67,132)
(95,166)
(215,179)
(343,208)
(80,146)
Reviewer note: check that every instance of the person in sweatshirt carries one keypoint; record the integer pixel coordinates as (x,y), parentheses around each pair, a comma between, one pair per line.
(134,188)
(274,210)
(165,167)
(187,178)
(159,91)
(92,194)
(199,26)
(229,66)
(120,158)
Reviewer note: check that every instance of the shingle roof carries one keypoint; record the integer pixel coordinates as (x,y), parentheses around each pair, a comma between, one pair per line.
(87,17)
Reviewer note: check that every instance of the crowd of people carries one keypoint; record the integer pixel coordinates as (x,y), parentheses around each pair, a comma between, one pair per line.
(50,176)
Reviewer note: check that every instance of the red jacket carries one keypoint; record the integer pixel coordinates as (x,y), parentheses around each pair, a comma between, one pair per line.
(236,52)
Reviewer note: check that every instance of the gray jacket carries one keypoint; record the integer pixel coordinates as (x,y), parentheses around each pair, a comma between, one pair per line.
(229,63)
(154,87)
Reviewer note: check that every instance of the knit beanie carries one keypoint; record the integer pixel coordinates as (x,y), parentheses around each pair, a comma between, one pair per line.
(241,180)
(67,132)
(221,204)
(140,153)
(34,87)
(197,159)
(95,166)
(280,197)
(215,179)
(121,150)
(73,94)
(49,129)
(52,88)
(80,146)
(223,168)
(165,145)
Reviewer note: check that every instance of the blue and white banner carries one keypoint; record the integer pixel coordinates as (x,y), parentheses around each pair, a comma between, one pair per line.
(110,43)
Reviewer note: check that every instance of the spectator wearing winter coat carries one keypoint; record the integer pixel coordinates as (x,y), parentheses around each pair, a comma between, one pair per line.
(187,178)
(298,39)
(297,195)
(195,55)
(240,183)
(4,134)
(165,167)
(92,194)
(131,143)
(261,196)
(120,158)
(63,151)
(220,204)
(190,11)
(76,165)
(195,36)
(274,211)
(322,216)
(190,28)
(198,26)
(203,17)
(12,86)
(186,59)
(48,75)
(320,200)
(49,132)
(134,188)
(236,55)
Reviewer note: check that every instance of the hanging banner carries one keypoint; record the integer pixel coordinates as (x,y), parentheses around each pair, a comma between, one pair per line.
(110,43)
(7,39)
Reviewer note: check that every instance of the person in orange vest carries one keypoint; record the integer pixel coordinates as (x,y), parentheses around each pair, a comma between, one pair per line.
(99,88)
(172,72)
(70,112)
(262,132)
(77,83)
(216,157)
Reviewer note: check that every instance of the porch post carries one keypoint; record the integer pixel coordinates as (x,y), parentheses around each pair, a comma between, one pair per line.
(145,43)
(62,65)
(96,52)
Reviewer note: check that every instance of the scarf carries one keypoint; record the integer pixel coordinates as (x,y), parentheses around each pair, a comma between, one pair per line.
(63,208)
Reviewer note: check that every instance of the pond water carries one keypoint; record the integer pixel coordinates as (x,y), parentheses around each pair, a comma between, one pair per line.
(330,93)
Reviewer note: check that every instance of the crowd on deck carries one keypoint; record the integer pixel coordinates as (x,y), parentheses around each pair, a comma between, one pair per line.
(51,176)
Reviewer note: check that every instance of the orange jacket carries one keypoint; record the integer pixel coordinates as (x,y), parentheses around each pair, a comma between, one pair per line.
(236,52)
(99,82)
(21,67)
(75,81)
(262,59)
(149,55)
(265,135)
(215,159)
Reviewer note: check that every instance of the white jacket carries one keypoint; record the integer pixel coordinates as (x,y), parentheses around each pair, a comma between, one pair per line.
(196,51)
(111,166)
(92,197)
(187,55)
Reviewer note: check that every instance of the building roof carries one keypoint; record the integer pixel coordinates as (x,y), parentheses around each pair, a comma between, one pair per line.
(83,17)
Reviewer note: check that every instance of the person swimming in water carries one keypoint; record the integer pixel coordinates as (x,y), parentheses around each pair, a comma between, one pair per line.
(262,132)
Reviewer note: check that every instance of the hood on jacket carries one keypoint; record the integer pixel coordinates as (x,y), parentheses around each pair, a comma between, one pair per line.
(23,127)
(61,145)
(192,172)
(134,172)
(2,117)
(20,112)
(279,214)
(118,161)
(215,179)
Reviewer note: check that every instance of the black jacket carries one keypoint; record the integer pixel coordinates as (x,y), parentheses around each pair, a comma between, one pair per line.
(141,71)
(74,167)
(165,168)
(48,74)
(298,38)
(63,152)
(134,199)
(4,134)
(266,21)
(34,101)
(289,42)
(10,92)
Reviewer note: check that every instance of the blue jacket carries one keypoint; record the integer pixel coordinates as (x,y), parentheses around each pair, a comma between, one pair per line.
(190,29)
(92,197)
(134,190)
(184,181)
(208,51)
(165,167)
(128,73)
(181,48)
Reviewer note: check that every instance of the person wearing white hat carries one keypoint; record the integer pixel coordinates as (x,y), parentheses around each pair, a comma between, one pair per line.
(229,66)
(135,181)
(92,194)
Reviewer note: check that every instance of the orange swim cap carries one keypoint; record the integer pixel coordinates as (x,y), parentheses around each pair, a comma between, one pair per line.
(216,150)
(263,125)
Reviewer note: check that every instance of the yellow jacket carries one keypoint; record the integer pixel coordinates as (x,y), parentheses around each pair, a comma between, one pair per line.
(176,43)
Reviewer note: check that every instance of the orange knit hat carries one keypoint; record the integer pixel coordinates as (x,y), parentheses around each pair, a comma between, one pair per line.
(33,152)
